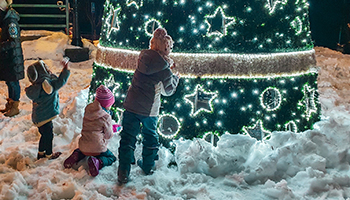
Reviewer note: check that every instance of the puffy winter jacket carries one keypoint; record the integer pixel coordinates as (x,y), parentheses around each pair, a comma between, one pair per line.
(97,130)
(152,78)
(46,106)
(11,56)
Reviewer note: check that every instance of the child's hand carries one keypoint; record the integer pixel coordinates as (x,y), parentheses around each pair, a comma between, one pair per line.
(65,62)
(177,74)
(173,66)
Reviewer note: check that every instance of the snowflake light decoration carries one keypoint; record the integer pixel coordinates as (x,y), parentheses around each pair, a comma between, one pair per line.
(297,24)
(271,99)
(308,101)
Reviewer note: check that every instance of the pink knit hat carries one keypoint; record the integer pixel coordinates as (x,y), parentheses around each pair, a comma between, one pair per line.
(104,96)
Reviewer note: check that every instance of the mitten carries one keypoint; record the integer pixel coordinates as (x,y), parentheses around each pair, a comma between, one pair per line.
(116,128)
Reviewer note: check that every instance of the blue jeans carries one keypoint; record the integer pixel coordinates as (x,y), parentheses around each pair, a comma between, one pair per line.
(131,128)
(14,90)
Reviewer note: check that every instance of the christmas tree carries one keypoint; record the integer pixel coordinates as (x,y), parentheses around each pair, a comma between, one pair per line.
(246,66)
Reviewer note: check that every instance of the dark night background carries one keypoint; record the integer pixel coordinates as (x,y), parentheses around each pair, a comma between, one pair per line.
(328,19)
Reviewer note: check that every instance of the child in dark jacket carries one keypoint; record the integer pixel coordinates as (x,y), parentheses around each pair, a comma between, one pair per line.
(44,94)
(97,129)
(152,78)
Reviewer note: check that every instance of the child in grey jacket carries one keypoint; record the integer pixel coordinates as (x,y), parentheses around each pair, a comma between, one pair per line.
(152,78)
(44,94)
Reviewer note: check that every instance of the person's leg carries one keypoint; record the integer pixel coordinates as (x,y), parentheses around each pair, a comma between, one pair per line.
(46,139)
(45,143)
(96,163)
(127,144)
(75,157)
(150,144)
(14,91)
(107,158)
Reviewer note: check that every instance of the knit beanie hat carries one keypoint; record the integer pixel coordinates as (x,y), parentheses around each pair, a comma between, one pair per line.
(104,96)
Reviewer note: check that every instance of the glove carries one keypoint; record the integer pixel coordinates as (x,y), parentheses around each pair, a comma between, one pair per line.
(116,128)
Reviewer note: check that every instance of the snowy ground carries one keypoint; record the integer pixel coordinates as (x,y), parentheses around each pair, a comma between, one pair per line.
(309,165)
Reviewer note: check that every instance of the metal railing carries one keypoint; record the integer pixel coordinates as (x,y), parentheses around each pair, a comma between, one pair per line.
(60,5)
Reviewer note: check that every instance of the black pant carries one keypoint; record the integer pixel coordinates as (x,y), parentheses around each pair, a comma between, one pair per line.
(45,143)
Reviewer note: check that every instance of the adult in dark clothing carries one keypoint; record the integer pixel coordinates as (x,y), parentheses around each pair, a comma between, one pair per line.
(11,56)
(152,78)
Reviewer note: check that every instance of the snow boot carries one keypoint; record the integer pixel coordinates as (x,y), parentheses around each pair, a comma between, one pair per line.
(8,105)
(95,165)
(74,158)
(40,155)
(123,176)
(53,155)
(147,169)
(13,110)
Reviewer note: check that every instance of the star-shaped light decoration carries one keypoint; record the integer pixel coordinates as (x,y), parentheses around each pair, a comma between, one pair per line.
(308,101)
(218,23)
(136,3)
(271,4)
(200,100)
(112,20)
(257,131)
(111,84)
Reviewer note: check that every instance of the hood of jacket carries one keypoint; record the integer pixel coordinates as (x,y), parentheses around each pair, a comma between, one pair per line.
(94,111)
(11,13)
(151,62)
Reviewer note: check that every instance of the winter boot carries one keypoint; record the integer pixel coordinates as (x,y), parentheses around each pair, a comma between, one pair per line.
(123,176)
(13,110)
(74,158)
(95,165)
(147,169)
(40,155)
(53,155)
(8,105)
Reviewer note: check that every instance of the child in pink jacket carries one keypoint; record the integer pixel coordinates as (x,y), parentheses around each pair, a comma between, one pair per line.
(97,130)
